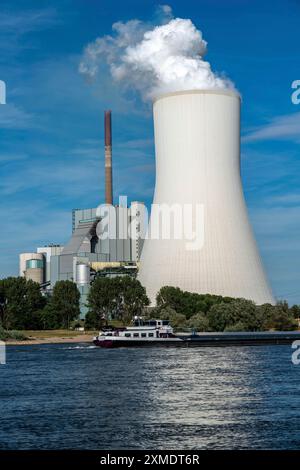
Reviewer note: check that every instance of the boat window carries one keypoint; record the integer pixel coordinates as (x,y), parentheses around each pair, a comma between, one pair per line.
(159,322)
(143,335)
(150,335)
(165,322)
(136,335)
(128,335)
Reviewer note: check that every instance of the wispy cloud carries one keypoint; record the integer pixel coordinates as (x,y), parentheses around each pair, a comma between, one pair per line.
(289,199)
(15,25)
(68,178)
(286,127)
(22,22)
(14,117)
(13,157)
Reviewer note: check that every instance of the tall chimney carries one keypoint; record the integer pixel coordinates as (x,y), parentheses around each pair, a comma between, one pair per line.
(108,158)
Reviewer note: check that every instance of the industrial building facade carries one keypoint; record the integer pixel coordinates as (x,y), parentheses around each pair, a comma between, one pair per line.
(86,254)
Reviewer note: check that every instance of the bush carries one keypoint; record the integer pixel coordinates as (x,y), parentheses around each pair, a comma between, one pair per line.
(199,322)
(283,321)
(17,335)
(239,326)
(277,317)
(13,334)
(2,334)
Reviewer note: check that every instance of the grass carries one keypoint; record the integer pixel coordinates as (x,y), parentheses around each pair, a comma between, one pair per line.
(55,333)
(40,334)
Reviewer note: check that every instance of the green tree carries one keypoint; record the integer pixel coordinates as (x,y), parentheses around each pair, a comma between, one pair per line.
(224,315)
(187,303)
(276,317)
(266,314)
(283,305)
(177,320)
(171,297)
(101,302)
(121,298)
(20,303)
(92,321)
(283,320)
(131,298)
(63,306)
(295,311)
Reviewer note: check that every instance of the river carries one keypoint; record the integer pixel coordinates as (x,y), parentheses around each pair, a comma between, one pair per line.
(81,397)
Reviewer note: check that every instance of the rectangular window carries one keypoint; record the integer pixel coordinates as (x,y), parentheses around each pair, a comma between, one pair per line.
(143,335)
(128,335)
(136,335)
(150,335)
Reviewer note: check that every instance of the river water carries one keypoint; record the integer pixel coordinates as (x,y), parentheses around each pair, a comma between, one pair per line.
(81,397)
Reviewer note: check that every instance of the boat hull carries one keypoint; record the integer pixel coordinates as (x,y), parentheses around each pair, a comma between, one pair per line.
(206,339)
(111,343)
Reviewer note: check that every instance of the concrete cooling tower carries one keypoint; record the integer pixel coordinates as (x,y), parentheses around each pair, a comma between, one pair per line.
(197,141)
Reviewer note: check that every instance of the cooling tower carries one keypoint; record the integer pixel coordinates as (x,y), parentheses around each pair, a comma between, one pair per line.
(197,141)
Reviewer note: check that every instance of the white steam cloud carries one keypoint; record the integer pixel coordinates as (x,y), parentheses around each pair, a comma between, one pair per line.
(154,60)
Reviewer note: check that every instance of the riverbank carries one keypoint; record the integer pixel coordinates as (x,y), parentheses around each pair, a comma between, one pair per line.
(53,337)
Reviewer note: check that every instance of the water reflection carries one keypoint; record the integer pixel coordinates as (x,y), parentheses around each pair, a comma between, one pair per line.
(56,396)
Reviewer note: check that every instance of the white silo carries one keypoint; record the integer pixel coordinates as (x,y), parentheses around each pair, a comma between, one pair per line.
(83,275)
(197,142)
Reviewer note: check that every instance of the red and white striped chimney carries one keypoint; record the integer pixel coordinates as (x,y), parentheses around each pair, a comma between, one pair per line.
(108,158)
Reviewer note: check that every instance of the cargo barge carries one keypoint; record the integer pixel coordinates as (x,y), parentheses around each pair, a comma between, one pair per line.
(241,338)
(160,333)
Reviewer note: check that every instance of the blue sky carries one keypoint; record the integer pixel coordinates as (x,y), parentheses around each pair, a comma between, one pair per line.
(51,130)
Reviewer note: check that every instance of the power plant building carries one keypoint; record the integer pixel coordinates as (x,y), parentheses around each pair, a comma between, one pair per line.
(197,146)
(89,253)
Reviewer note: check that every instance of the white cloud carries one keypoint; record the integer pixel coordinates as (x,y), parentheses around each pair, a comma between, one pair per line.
(154,59)
(286,127)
